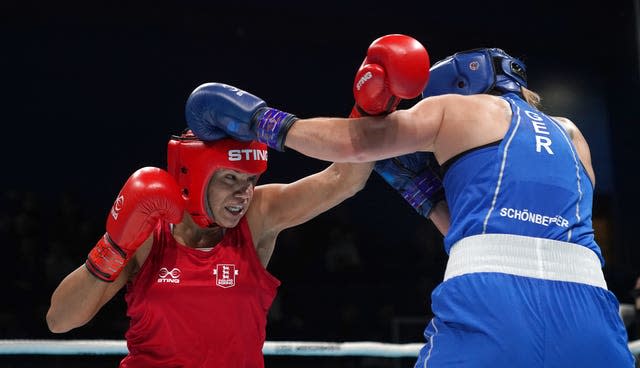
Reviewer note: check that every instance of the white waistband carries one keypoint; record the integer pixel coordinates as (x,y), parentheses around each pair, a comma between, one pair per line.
(525,256)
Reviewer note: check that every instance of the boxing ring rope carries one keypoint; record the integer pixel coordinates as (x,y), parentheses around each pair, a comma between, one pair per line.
(292,348)
(304,348)
(301,348)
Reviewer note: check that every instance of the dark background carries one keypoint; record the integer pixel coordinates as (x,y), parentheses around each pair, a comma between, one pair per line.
(92,90)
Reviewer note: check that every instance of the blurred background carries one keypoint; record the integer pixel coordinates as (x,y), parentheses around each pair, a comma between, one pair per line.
(91,91)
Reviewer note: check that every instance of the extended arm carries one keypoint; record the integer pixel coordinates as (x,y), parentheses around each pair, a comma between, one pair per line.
(245,117)
(369,138)
(395,68)
(281,206)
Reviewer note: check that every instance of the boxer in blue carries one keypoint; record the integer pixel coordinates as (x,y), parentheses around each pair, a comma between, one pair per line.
(524,285)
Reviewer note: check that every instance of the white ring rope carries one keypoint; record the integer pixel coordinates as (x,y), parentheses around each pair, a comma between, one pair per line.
(362,348)
(306,348)
(119,347)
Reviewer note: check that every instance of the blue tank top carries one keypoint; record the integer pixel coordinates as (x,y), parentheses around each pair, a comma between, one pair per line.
(530,183)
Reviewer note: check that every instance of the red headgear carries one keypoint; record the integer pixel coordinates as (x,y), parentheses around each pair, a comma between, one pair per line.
(192,163)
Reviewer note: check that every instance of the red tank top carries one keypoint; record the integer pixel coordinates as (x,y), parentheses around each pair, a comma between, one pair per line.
(194,308)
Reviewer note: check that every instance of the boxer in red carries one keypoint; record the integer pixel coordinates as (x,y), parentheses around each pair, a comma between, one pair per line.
(192,245)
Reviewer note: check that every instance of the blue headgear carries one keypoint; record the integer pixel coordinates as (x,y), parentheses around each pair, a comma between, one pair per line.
(476,71)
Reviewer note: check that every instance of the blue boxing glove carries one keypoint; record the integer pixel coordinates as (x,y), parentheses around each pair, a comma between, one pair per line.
(416,177)
(215,110)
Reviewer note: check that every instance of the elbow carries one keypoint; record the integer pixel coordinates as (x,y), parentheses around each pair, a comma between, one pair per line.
(354,189)
(54,325)
(352,178)
(351,191)
(357,187)
(57,324)
(57,330)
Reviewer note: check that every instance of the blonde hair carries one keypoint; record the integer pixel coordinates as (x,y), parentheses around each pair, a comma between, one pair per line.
(531,97)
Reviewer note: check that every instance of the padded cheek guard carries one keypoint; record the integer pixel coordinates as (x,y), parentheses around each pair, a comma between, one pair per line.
(192,162)
(477,71)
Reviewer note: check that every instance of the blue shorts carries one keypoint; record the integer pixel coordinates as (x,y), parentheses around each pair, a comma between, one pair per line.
(499,320)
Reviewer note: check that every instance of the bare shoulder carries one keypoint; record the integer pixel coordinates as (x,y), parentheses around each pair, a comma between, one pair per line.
(563,120)
(259,214)
(260,209)
(454,108)
(473,106)
(568,125)
(579,141)
(482,99)
(262,196)
(469,122)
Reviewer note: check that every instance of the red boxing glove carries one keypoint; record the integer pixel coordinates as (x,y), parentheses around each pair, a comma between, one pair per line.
(396,67)
(150,194)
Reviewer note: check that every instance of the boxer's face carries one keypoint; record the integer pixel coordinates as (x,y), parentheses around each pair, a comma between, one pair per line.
(229,195)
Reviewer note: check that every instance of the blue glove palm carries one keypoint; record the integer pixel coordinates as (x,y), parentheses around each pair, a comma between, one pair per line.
(416,177)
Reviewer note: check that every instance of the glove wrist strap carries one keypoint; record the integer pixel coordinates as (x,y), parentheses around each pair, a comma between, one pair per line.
(427,192)
(271,126)
(106,260)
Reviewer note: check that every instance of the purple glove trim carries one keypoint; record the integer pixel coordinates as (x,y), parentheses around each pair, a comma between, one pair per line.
(271,126)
